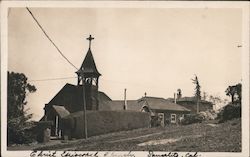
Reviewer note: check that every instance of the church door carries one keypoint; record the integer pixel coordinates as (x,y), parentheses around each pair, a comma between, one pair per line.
(58,131)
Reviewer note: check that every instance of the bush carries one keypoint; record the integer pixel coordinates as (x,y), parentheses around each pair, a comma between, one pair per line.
(155,121)
(208,115)
(192,118)
(19,132)
(229,112)
(39,129)
(102,122)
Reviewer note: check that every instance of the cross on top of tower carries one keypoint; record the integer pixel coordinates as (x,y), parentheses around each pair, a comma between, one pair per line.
(88,67)
(90,38)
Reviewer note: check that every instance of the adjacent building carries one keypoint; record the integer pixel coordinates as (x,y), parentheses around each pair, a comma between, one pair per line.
(191,104)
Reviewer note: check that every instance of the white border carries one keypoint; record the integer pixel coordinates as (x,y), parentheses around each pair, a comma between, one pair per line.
(129,4)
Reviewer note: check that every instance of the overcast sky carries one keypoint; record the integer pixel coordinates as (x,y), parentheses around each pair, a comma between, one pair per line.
(144,50)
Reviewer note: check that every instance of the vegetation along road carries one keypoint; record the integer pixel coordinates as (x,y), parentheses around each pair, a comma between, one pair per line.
(201,137)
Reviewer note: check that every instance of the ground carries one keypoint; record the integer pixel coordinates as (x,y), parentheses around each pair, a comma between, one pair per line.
(201,137)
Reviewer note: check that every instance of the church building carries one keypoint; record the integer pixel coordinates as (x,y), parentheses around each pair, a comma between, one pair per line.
(71,99)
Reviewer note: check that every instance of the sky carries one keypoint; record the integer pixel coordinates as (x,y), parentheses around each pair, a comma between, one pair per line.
(143,50)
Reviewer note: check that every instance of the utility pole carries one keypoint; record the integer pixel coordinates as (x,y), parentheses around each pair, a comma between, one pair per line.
(84,107)
(87,77)
(83,93)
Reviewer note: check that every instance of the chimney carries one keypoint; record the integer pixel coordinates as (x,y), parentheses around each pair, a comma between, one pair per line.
(125,99)
(174,98)
(145,94)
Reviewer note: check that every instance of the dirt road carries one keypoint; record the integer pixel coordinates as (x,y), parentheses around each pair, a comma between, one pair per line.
(202,137)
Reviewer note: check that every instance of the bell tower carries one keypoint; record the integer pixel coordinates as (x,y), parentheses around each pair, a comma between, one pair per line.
(88,77)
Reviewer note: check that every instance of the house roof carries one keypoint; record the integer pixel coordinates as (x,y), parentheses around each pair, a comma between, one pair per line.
(114,105)
(156,103)
(61,111)
(88,66)
(152,103)
(187,99)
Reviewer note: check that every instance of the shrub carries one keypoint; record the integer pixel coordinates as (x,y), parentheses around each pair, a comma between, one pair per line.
(208,115)
(155,121)
(229,112)
(192,118)
(102,122)
(39,129)
(19,132)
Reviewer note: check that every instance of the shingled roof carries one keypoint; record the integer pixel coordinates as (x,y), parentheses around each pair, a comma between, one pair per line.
(71,97)
(156,103)
(153,103)
(88,66)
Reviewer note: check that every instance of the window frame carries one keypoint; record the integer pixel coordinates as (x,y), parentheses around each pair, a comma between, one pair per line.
(171,118)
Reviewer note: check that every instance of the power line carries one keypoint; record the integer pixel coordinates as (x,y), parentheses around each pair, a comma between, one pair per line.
(51,39)
(52,79)
(110,81)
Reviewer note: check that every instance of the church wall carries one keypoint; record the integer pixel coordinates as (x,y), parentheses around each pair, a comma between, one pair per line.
(71,97)
(91,94)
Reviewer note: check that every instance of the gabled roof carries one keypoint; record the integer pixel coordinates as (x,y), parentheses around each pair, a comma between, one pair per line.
(88,66)
(71,97)
(156,103)
(61,111)
(153,103)
(103,96)
(115,105)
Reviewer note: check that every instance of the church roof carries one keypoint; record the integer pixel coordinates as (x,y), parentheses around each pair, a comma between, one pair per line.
(88,66)
(71,97)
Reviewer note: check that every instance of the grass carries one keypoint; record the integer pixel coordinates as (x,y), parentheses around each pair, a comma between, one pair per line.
(201,137)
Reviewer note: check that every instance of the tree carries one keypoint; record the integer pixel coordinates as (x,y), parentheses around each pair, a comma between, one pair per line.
(238,91)
(17,117)
(233,109)
(234,91)
(197,91)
